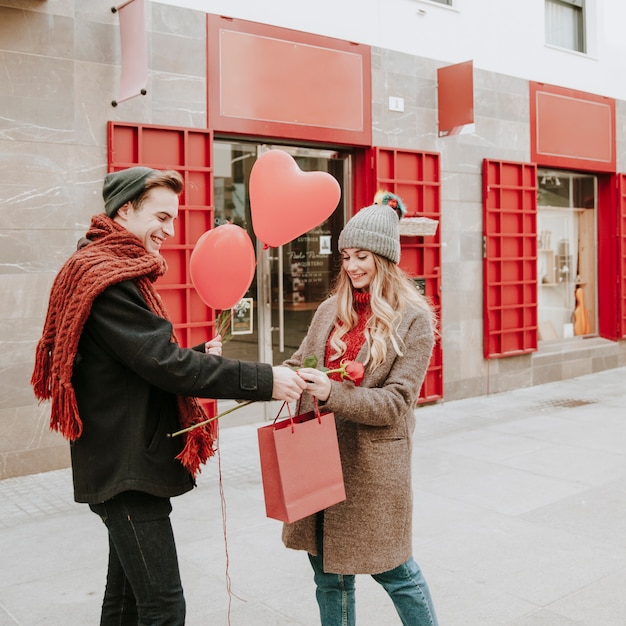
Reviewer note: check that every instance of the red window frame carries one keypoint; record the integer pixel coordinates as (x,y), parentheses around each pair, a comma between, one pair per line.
(509,258)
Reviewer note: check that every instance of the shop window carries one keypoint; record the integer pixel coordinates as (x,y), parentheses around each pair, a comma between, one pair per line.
(566,254)
(564,20)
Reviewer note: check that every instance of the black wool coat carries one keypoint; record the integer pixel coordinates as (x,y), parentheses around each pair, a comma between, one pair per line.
(127,373)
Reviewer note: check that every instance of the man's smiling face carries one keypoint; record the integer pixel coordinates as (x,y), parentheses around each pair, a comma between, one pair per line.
(153,223)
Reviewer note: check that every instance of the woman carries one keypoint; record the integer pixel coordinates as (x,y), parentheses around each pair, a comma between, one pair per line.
(374,315)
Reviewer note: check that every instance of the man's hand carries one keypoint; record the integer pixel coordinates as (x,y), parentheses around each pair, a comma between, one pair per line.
(287,384)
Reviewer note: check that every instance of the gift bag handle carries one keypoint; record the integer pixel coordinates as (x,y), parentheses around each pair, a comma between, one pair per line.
(286,404)
(316,408)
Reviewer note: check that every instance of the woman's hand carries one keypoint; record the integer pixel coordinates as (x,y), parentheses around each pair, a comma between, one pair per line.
(214,346)
(317,383)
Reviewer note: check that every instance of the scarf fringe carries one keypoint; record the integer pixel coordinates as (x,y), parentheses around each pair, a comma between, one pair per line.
(199,447)
(40,380)
(64,417)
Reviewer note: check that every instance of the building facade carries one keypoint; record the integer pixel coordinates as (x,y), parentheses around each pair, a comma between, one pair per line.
(511,139)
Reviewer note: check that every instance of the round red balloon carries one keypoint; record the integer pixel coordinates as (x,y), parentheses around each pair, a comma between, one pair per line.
(222,266)
(286,202)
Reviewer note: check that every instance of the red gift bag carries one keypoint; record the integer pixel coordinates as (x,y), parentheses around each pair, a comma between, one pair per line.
(300,465)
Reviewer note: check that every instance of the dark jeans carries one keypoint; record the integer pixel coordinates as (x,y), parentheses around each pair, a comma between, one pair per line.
(143,581)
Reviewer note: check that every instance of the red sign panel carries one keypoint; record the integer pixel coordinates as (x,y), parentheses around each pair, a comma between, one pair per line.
(455,98)
(134,50)
(274,82)
(571,129)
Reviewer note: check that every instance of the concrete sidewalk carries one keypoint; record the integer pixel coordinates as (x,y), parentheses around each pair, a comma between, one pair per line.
(520,519)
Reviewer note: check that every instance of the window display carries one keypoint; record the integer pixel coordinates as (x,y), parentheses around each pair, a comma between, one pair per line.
(566,254)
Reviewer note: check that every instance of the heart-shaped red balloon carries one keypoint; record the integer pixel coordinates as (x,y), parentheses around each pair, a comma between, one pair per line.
(222,266)
(286,202)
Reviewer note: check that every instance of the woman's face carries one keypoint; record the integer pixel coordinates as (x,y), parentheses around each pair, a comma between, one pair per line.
(360,267)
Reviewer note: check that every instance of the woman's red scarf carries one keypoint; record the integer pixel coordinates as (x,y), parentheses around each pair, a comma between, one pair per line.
(112,256)
(354,338)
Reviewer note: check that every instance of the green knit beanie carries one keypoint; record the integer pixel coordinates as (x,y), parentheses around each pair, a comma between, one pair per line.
(123,186)
(374,228)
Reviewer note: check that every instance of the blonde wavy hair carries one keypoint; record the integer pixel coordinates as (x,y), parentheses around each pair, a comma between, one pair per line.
(391,293)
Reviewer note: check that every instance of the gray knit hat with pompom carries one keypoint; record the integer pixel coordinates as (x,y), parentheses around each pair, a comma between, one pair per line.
(374,228)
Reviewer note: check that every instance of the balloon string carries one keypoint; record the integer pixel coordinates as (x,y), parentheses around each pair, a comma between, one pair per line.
(223,506)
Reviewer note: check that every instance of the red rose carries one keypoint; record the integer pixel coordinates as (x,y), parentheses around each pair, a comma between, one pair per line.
(354,371)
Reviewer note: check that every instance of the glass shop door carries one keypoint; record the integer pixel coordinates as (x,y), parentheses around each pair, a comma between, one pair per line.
(291,280)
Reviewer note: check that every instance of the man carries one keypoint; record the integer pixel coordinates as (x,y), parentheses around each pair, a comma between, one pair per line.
(119,383)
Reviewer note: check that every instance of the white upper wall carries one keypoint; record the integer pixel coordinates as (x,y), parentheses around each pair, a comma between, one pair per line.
(504,36)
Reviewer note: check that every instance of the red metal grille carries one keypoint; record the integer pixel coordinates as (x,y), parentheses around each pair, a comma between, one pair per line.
(621,254)
(415,177)
(189,152)
(510,258)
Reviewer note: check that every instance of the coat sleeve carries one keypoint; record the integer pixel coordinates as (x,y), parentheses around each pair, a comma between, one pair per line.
(126,329)
(387,394)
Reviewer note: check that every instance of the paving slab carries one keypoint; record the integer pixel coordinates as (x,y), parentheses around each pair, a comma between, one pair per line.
(519,518)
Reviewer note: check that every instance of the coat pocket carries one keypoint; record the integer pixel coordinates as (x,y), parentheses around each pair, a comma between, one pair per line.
(162,419)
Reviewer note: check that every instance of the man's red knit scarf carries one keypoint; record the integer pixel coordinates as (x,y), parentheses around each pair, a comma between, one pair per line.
(114,255)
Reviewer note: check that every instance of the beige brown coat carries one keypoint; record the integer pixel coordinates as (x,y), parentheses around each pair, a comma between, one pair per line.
(370,532)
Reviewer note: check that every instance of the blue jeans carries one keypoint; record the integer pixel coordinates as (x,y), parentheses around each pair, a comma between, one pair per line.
(143,581)
(405,585)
